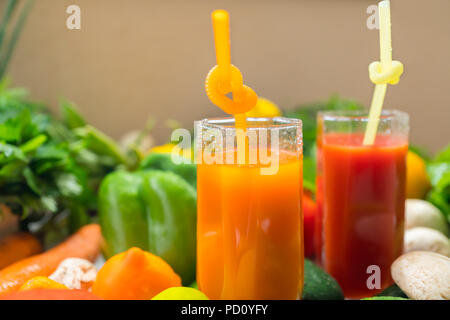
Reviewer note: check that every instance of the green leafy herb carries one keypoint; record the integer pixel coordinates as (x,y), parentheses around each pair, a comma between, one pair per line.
(439,172)
(70,115)
(49,166)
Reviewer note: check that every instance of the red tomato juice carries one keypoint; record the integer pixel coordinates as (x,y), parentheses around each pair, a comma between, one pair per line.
(363,213)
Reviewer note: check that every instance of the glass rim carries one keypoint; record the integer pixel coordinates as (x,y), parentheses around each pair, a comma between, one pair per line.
(228,123)
(361,115)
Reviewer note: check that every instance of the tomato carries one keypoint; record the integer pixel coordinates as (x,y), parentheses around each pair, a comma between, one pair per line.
(309,215)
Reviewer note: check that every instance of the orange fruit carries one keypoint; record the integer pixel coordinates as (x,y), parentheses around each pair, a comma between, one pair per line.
(417,181)
(264,108)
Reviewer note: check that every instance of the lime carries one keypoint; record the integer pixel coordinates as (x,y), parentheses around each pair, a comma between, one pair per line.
(180,293)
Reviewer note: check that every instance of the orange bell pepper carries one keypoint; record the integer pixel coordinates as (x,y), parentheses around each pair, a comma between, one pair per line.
(134,275)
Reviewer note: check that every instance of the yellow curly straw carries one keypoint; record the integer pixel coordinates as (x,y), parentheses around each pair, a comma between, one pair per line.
(381,73)
(225,78)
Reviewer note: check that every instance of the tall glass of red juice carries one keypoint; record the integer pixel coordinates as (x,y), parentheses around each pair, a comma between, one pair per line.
(249,214)
(363,199)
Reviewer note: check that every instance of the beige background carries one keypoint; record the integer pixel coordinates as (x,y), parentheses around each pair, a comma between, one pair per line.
(136,58)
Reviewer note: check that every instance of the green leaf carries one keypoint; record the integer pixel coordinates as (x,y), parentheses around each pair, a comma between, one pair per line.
(16,126)
(10,152)
(12,170)
(100,143)
(78,217)
(49,203)
(441,201)
(436,171)
(309,174)
(51,151)
(9,132)
(31,180)
(444,155)
(69,185)
(439,172)
(194,285)
(33,144)
(71,117)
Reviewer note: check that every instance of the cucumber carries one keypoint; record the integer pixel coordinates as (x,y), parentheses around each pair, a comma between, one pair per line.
(319,285)
(392,291)
(384,298)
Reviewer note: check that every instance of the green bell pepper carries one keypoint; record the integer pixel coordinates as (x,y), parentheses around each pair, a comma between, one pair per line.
(153,210)
(163,161)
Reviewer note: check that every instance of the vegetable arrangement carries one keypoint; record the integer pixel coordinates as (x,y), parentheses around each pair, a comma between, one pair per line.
(51,170)
(147,210)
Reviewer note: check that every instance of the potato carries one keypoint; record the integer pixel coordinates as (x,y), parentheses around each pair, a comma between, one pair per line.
(421,213)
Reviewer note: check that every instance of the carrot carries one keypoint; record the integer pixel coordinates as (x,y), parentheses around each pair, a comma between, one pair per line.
(85,244)
(50,294)
(18,246)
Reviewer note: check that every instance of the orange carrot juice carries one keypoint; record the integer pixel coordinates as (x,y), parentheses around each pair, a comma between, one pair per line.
(250,230)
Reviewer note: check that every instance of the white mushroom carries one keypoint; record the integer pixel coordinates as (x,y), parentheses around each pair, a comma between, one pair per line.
(421,213)
(75,273)
(423,275)
(426,239)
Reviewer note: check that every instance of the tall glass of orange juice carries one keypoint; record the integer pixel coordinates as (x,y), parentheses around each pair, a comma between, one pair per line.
(250,223)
